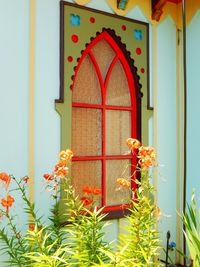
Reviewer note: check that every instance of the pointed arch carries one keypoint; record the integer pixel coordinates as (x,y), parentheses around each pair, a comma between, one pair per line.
(106,104)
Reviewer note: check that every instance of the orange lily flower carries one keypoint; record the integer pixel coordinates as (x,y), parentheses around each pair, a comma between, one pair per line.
(90,190)
(18,235)
(87,189)
(25,179)
(31,227)
(61,170)
(147,157)
(97,191)
(86,201)
(48,177)
(133,143)
(158,212)
(147,151)
(4,177)
(66,156)
(123,183)
(7,203)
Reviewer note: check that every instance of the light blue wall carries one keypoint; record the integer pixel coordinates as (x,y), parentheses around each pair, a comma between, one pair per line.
(166,126)
(193,109)
(14,88)
(47,121)
(14,69)
(14,77)
(14,63)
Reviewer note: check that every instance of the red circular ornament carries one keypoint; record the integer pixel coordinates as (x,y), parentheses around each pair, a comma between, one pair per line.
(74,38)
(123,27)
(70,58)
(92,19)
(142,70)
(138,51)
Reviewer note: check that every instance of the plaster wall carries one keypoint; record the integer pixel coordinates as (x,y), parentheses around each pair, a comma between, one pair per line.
(193,95)
(14,100)
(14,94)
(166,126)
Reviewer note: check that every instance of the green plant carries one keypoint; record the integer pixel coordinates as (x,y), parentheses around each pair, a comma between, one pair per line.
(13,241)
(191,220)
(81,240)
(86,235)
(45,240)
(140,242)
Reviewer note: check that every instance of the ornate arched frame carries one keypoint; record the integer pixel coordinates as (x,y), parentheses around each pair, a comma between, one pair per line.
(125,58)
(135,106)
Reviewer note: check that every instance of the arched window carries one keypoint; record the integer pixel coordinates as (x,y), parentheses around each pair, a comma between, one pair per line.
(105,112)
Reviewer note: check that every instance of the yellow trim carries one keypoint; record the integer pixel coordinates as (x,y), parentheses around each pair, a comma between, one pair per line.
(82,2)
(170,9)
(154,49)
(178,193)
(31,97)
(192,7)
(183,136)
(154,39)
(179,20)
(144,5)
(154,44)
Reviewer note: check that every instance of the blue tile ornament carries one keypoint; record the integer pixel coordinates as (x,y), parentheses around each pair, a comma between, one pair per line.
(122,4)
(74,20)
(138,35)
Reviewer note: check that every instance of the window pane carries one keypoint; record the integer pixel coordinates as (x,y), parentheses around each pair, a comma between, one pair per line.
(117,169)
(104,55)
(86,131)
(87,87)
(118,129)
(87,173)
(118,90)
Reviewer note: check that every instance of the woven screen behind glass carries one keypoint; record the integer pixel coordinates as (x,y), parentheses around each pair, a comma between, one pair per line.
(117,93)
(86,88)
(104,55)
(87,173)
(118,129)
(86,131)
(100,130)
(116,169)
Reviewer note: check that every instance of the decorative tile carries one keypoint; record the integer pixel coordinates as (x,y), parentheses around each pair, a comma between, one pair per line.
(74,20)
(122,4)
(125,7)
(138,35)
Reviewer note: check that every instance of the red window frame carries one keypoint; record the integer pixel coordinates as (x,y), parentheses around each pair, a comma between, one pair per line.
(134,109)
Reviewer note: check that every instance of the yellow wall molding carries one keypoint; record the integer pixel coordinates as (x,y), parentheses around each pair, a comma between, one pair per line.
(31,97)
(192,6)
(82,2)
(170,9)
(145,5)
(154,41)
(154,49)
(179,144)
(175,11)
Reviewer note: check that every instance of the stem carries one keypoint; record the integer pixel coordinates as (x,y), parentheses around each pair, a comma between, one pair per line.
(13,227)
(28,203)
(93,239)
(11,250)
